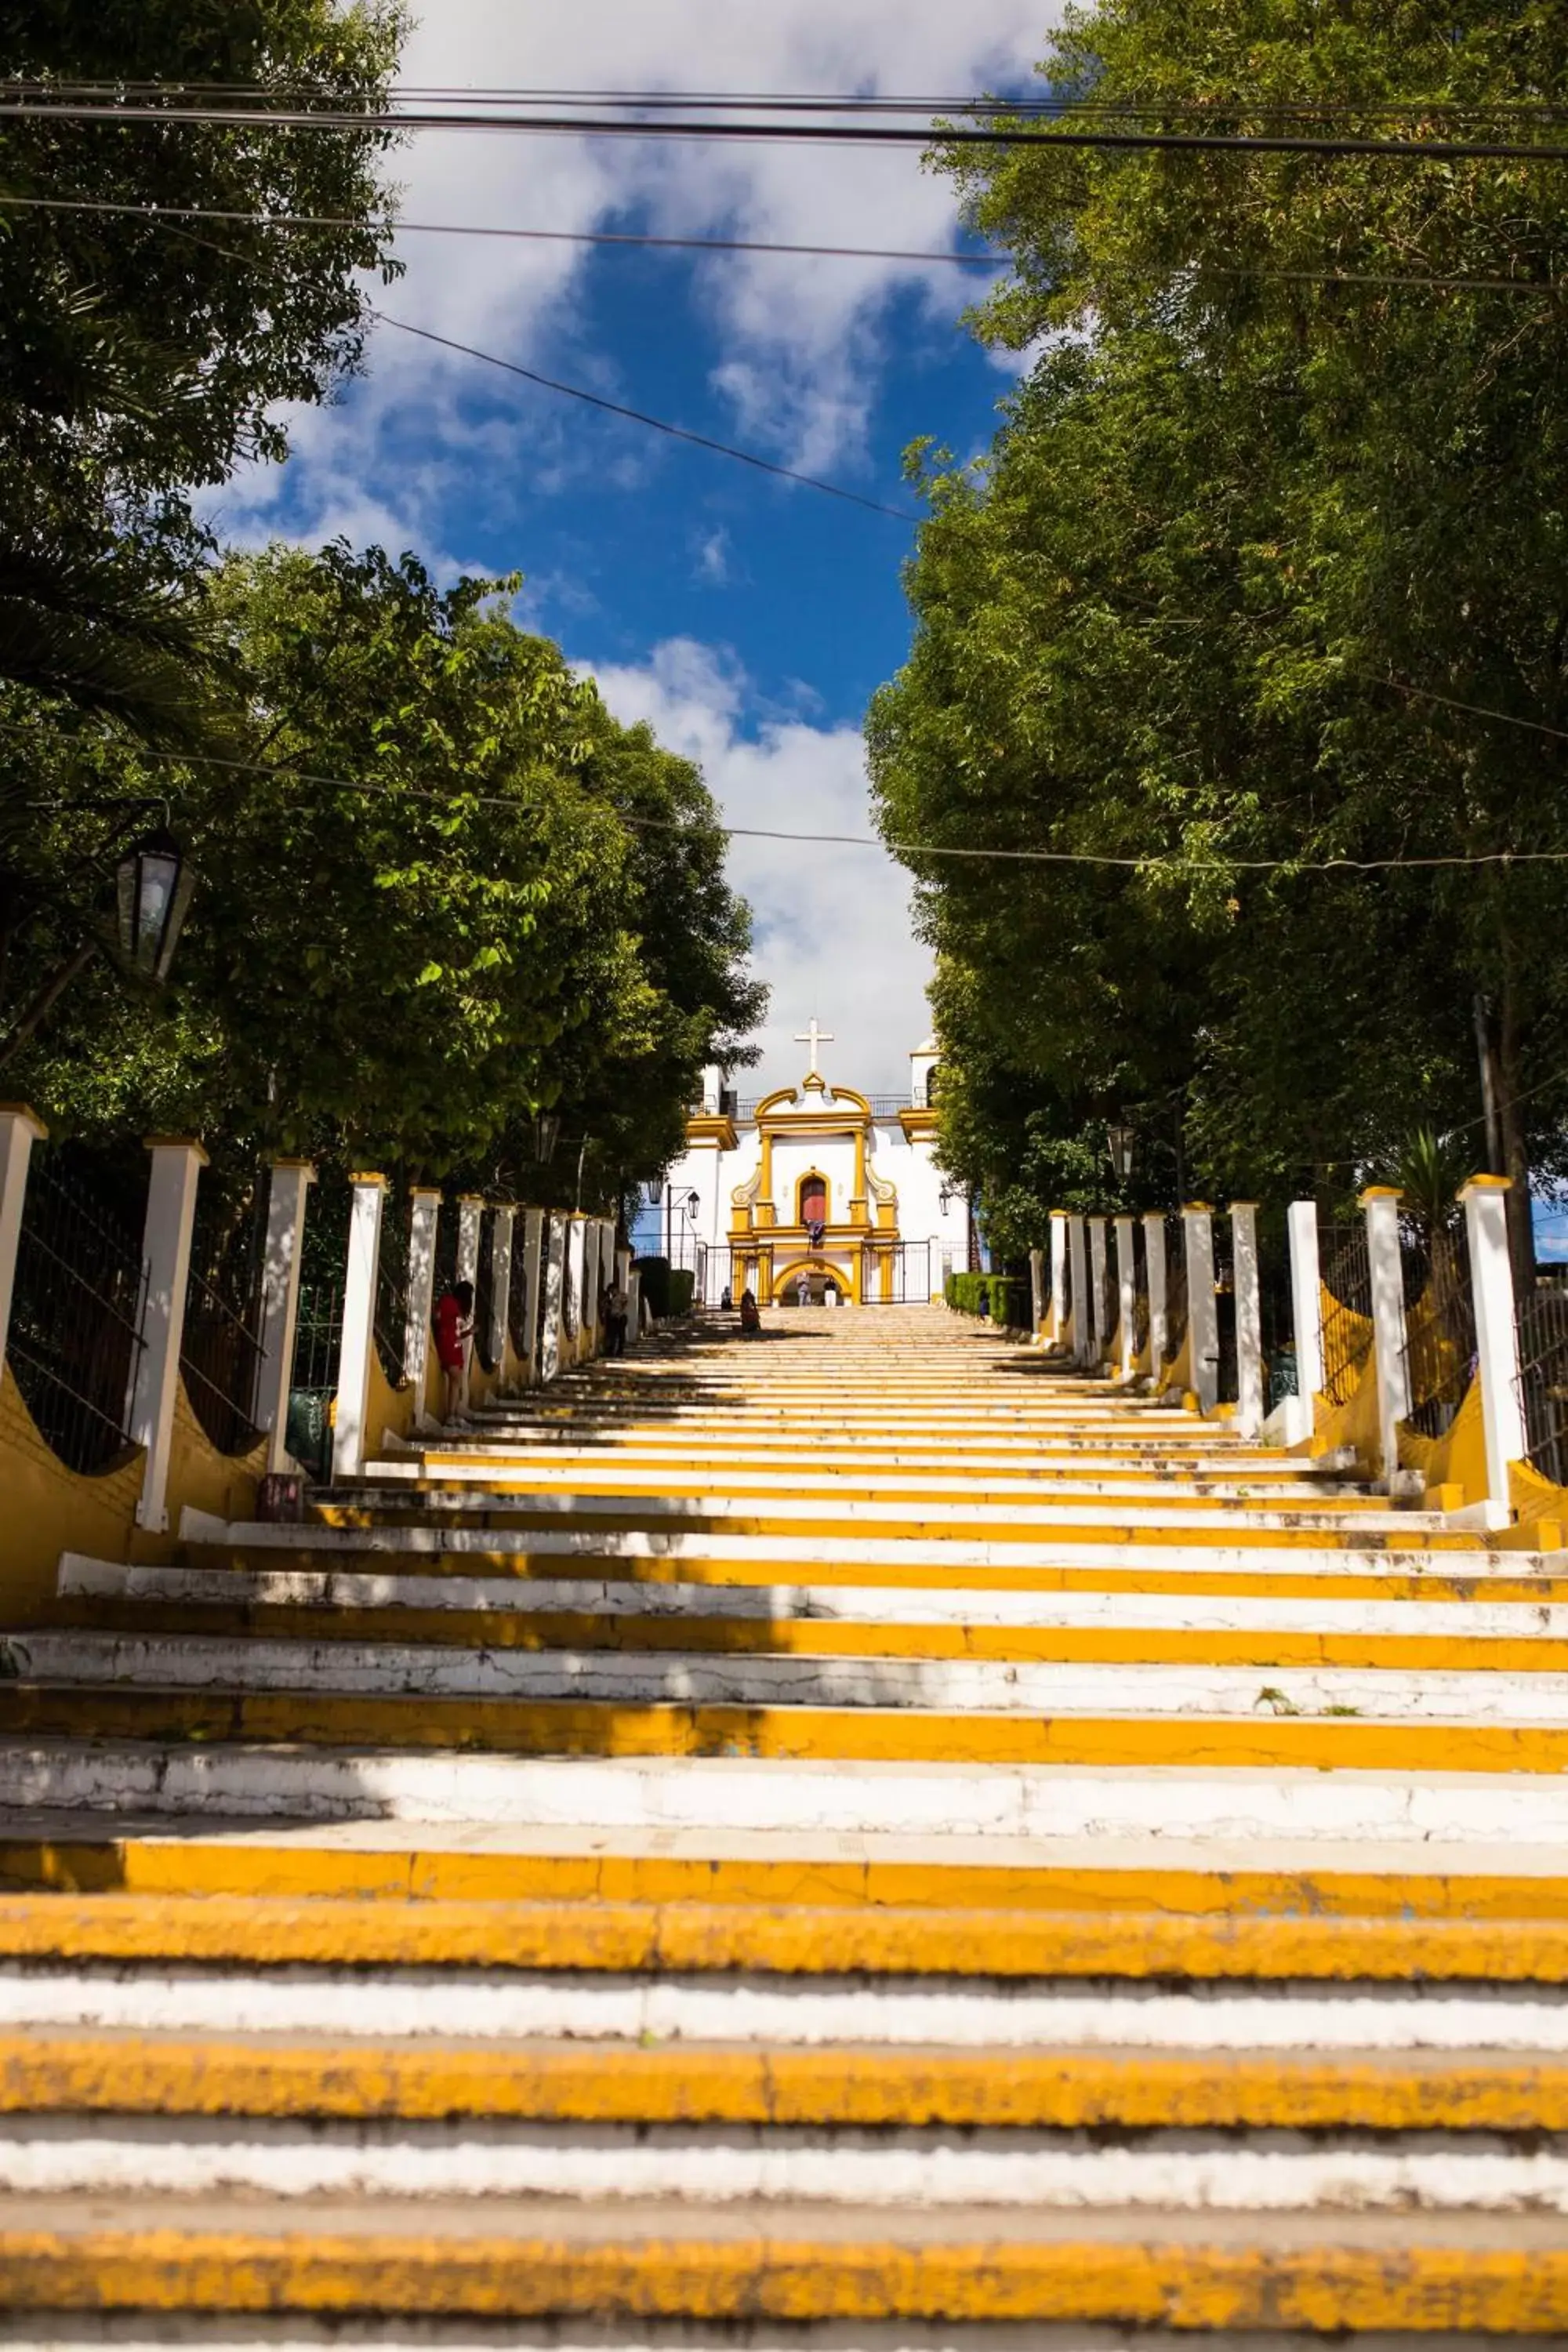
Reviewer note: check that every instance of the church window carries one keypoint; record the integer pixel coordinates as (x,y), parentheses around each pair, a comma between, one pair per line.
(813,1200)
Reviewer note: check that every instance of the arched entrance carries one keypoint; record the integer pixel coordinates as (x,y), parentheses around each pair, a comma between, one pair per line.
(820,1276)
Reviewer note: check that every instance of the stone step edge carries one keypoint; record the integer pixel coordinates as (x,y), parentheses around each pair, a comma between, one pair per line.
(417,1724)
(1195,2273)
(1513,1942)
(54,2072)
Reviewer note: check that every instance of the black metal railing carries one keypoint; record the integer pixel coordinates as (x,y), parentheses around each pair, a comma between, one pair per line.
(517,1286)
(1140,1287)
(1228,1375)
(1439,1324)
(1109,1289)
(1542,1319)
(1175,1287)
(390,1323)
(220,1357)
(1347,1309)
(485,1293)
(77,1315)
(313,1380)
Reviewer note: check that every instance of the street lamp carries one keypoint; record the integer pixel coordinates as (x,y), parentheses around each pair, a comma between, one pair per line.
(153,882)
(1119,1139)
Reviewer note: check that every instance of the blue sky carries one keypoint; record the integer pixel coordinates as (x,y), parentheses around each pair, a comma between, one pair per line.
(748,619)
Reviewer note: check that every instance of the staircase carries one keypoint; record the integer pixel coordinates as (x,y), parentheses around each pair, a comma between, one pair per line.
(854,1839)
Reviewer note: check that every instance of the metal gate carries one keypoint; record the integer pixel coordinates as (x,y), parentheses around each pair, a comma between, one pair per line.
(910,1284)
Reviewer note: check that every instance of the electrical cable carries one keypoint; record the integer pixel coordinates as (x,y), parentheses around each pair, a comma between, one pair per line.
(656,424)
(163,215)
(1159,862)
(874,134)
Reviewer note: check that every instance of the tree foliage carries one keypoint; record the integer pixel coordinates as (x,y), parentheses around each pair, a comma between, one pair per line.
(1264,509)
(440,889)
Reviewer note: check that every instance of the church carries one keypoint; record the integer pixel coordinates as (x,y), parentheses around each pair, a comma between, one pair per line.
(816,1194)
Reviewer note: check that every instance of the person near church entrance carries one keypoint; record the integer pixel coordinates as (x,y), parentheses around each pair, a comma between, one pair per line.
(454,1324)
(802,1290)
(726,1302)
(750,1320)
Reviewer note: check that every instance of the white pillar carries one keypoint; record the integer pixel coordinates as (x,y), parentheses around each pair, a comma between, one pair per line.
(554,1277)
(1127,1296)
(1154,1266)
(286,1203)
(1497,1348)
(20,1129)
(1306,1299)
(500,1283)
(178,1164)
(359,1325)
(1059,1270)
(1077,1247)
(1380,1206)
(576,1259)
(1036,1292)
(590,1288)
(470,1209)
(423,1213)
(1203,1310)
(1098,1339)
(1249,1303)
(532,1259)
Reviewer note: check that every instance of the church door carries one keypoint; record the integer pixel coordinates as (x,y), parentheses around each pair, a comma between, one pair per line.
(814,1200)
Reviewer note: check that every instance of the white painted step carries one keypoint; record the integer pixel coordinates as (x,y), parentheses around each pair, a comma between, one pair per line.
(751,2008)
(739,1796)
(957,1686)
(718,2164)
(351,1590)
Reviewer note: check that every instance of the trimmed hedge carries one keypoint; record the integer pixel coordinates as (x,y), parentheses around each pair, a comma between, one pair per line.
(1004,1297)
(666,1288)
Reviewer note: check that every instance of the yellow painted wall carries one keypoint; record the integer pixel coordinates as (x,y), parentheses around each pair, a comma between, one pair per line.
(1456,1460)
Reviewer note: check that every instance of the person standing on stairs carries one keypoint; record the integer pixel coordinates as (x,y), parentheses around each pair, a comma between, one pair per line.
(454,1327)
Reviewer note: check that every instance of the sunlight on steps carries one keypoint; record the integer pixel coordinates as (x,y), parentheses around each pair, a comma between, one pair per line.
(858,1840)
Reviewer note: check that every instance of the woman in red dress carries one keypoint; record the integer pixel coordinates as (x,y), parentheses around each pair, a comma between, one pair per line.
(453,1323)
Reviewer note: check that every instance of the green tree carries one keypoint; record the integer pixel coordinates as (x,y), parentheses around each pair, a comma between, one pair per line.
(1240,526)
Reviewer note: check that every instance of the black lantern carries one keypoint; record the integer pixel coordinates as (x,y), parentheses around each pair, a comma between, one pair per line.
(944,1198)
(154,884)
(1119,1137)
(546,1136)
(693,1203)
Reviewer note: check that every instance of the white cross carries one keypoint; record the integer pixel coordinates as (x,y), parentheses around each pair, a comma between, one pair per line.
(814,1037)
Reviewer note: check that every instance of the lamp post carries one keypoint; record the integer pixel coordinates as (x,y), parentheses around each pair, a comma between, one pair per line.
(153,882)
(1119,1137)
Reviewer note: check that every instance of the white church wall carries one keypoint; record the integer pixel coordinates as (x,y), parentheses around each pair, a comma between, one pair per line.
(832,1156)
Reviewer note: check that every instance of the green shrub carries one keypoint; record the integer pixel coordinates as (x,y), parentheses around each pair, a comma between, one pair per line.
(682,1282)
(655,1273)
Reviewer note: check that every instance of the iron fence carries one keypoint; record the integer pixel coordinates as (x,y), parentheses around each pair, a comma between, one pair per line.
(77,1313)
(220,1349)
(314,1379)
(1109,1299)
(1140,1287)
(517,1287)
(1347,1310)
(1439,1323)
(1175,1287)
(1543,1341)
(910,1282)
(485,1293)
(390,1323)
(1228,1374)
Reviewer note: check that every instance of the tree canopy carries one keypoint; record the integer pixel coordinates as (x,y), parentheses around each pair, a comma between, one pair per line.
(1266,505)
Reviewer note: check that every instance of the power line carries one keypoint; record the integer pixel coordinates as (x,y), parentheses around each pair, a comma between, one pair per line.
(656,424)
(1146,863)
(890,134)
(159,214)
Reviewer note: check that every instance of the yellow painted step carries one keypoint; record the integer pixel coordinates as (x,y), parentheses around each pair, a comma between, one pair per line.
(836,2086)
(1507,1931)
(537,2262)
(608,1727)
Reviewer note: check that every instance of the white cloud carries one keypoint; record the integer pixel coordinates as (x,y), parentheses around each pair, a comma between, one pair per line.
(832,922)
(713,565)
(800,339)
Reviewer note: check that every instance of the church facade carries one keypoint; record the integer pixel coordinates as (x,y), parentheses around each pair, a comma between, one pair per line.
(816,1193)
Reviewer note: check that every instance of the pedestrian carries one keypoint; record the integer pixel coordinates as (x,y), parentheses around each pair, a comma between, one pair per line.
(802,1290)
(618,1306)
(454,1327)
(726,1302)
(750,1320)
